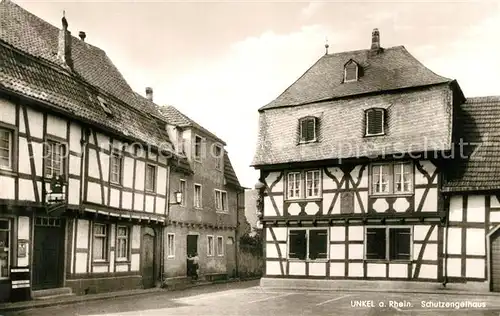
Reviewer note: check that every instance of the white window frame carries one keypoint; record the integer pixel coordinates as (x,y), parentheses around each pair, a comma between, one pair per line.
(210,250)
(153,181)
(219,164)
(113,158)
(195,200)
(170,246)
(224,200)
(9,246)
(351,62)
(182,188)
(220,250)
(307,229)
(391,178)
(307,118)
(367,123)
(387,242)
(303,194)
(294,181)
(220,200)
(313,172)
(127,243)
(10,148)
(198,157)
(54,144)
(105,237)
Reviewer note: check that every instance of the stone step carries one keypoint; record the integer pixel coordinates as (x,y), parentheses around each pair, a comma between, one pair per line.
(52,293)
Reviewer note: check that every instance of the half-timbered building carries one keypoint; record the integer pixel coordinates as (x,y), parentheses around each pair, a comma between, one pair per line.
(83,170)
(372,167)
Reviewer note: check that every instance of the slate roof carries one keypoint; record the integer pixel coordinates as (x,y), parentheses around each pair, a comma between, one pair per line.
(28,55)
(393,68)
(176,117)
(229,174)
(478,125)
(416,121)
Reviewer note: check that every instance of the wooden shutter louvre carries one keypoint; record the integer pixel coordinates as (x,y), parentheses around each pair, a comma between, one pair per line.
(310,129)
(317,244)
(375,243)
(297,244)
(399,243)
(375,121)
(303,130)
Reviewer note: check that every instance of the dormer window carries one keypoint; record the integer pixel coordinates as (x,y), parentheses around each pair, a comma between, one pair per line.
(307,126)
(351,71)
(104,105)
(375,122)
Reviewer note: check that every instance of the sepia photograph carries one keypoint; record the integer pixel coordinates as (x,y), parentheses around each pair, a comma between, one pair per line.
(249,158)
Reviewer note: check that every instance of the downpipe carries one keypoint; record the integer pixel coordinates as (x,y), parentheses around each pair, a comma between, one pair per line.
(447,225)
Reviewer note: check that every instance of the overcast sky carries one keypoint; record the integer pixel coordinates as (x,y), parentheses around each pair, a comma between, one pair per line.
(218,62)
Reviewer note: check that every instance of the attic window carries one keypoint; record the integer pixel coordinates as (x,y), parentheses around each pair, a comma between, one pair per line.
(104,106)
(375,122)
(307,129)
(351,71)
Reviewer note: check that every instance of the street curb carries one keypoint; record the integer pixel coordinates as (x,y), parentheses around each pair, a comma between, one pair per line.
(444,292)
(17,306)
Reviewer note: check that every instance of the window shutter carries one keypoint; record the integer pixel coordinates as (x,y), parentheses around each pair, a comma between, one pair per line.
(317,244)
(399,243)
(297,244)
(375,243)
(310,129)
(375,121)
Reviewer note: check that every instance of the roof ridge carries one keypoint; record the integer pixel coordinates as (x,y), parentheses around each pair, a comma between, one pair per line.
(482,98)
(360,51)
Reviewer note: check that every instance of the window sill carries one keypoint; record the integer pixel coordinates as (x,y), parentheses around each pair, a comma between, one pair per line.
(308,260)
(315,199)
(377,195)
(374,135)
(401,261)
(304,142)
(119,261)
(222,212)
(100,262)
(170,257)
(198,208)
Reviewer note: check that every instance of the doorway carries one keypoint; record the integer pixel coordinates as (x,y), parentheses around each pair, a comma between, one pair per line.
(191,249)
(48,253)
(495,261)
(230,257)
(148,257)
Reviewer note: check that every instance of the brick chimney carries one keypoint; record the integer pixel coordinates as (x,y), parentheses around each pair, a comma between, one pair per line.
(149,93)
(64,48)
(375,49)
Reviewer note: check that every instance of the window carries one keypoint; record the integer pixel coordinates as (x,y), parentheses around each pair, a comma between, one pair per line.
(393,178)
(307,129)
(5,148)
(220,246)
(197,195)
(4,248)
(210,246)
(150,178)
(122,238)
(100,242)
(220,200)
(54,153)
(388,243)
(197,147)
(170,245)
(182,190)
(312,183)
(218,157)
(116,169)
(351,71)
(180,141)
(294,185)
(304,184)
(374,122)
(307,244)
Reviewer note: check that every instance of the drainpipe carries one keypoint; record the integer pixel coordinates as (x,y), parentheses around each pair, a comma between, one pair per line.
(236,230)
(163,228)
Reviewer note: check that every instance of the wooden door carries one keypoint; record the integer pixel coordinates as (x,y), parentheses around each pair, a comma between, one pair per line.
(48,248)
(230,257)
(148,258)
(495,261)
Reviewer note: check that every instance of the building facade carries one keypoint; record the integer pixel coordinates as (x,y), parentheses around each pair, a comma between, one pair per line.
(84,169)
(372,167)
(206,222)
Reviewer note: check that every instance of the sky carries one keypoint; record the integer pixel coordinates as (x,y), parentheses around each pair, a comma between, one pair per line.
(218,61)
